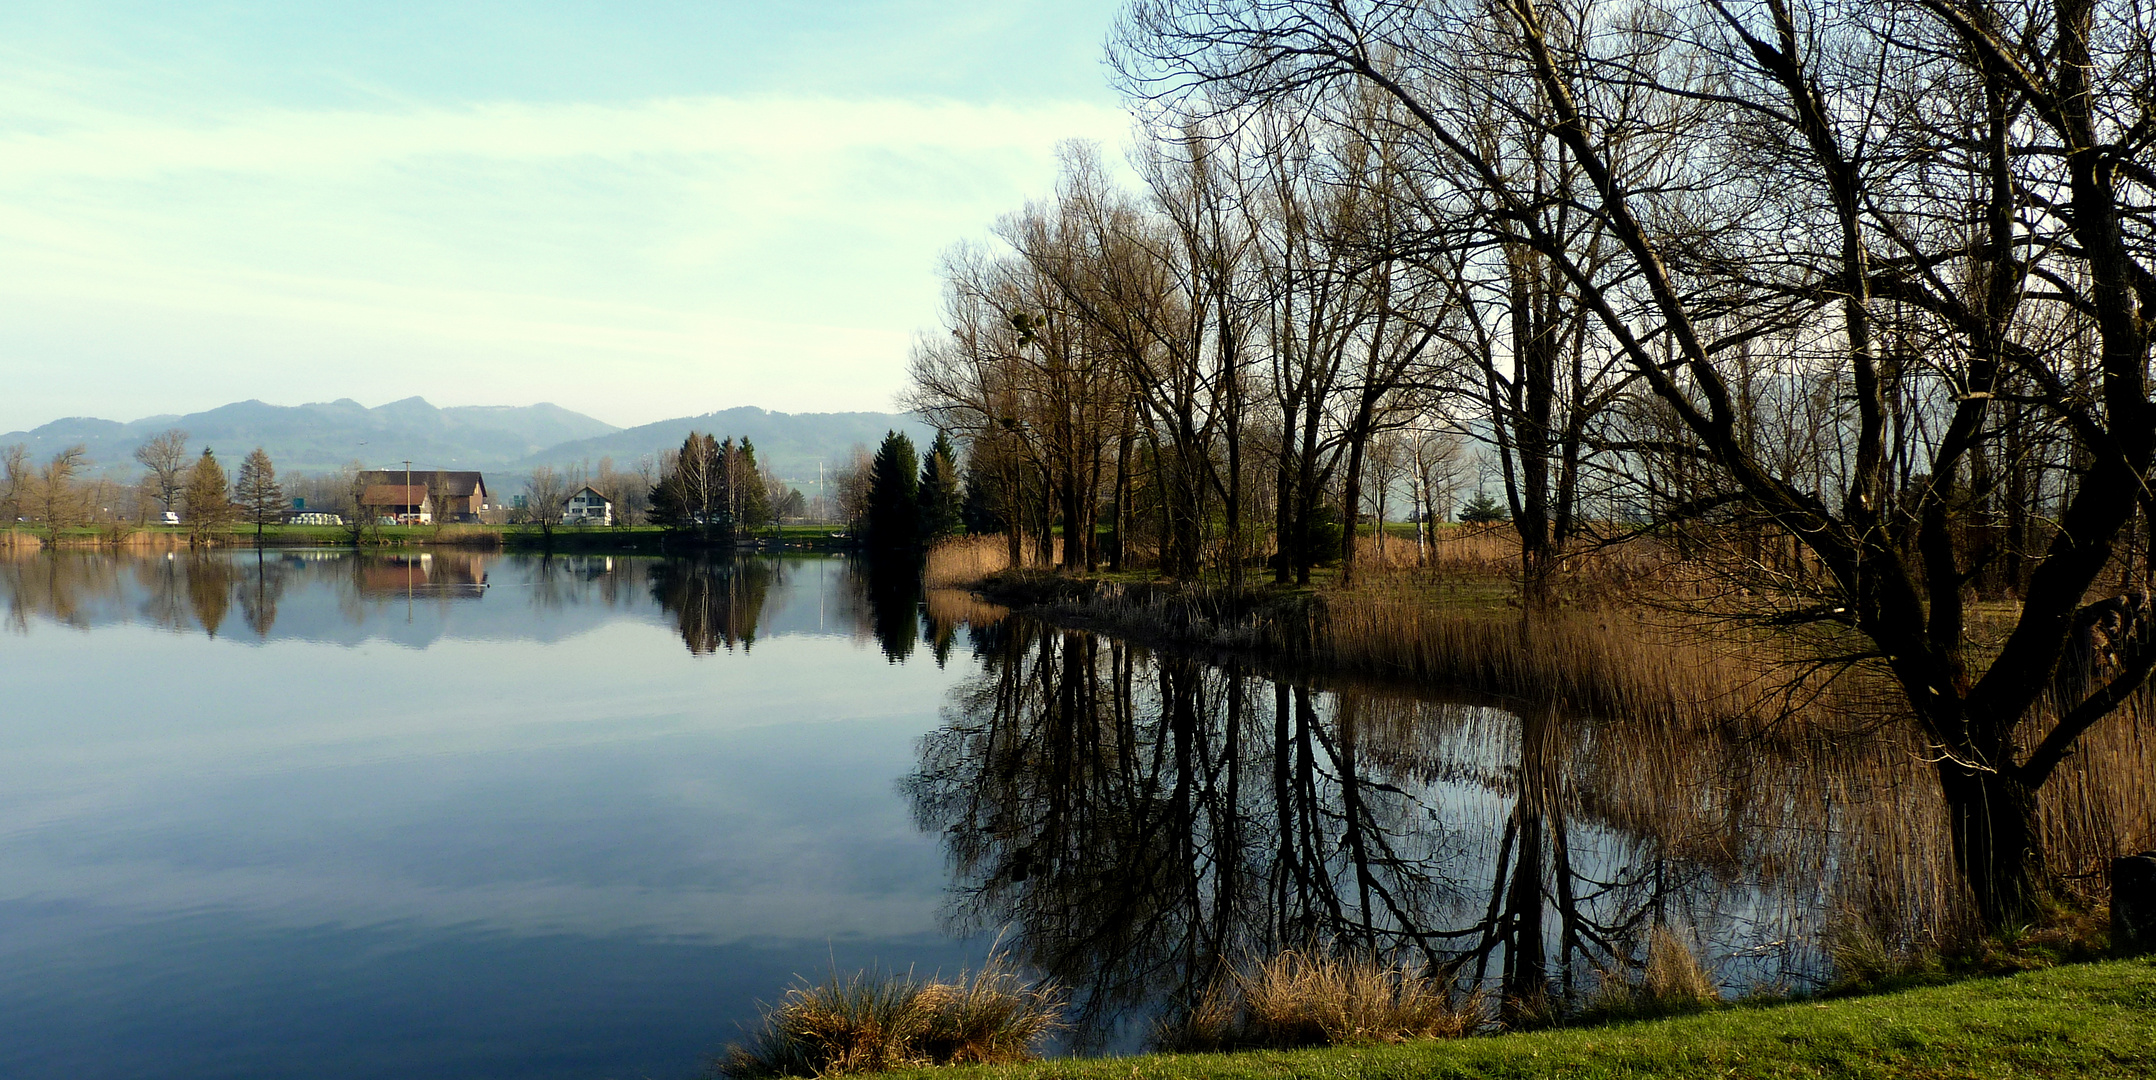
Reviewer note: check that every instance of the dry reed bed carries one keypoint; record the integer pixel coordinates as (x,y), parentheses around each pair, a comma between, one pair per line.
(965,561)
(1831,760)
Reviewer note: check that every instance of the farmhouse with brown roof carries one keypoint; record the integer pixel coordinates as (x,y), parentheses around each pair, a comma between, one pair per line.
(462,495)
(408,505)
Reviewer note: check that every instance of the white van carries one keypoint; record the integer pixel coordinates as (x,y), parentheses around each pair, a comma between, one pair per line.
(171,518)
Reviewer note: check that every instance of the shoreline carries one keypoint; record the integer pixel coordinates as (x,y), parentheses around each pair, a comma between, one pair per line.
(2073,1021)
(639,540)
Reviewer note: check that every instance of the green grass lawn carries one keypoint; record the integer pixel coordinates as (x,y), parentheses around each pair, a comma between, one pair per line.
(2080,1021)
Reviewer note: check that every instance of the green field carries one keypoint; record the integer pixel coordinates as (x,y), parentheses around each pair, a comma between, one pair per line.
(2080,1021)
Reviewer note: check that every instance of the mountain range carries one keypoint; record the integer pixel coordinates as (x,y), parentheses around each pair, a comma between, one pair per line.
(500,438)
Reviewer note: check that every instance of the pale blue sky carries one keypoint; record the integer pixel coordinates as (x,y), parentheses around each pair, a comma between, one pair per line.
(634,210)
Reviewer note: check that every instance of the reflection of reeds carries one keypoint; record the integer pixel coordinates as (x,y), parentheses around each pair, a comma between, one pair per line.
(877,1022)
(145,540)
(1308,997)
(950,607)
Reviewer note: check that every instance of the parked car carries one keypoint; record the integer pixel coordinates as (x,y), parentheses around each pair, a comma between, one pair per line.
(171,518)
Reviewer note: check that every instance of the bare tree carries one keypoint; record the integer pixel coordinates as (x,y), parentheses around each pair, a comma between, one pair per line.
(165,458)
(360,518)
(58,500)
(546,493)
(15,483)
(1792,237)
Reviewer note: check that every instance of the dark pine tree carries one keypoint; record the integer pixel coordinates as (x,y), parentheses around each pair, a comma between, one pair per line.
(1483,510)
(938,494)
(981,504)
(752,501)
(893,495)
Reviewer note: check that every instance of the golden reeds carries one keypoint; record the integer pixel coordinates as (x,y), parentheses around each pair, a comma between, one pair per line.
(1607,660)
(1309,997)
(965,560)
(873,1022)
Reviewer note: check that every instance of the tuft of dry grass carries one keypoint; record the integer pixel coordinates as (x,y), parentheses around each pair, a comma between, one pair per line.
(1308,997)
(873,1022)
(1670,980)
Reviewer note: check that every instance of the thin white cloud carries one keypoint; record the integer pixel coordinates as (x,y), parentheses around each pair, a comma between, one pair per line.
(287,142)
(767,251)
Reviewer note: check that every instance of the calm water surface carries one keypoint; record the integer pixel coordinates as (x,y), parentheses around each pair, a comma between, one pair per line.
(318,815)
(321,816)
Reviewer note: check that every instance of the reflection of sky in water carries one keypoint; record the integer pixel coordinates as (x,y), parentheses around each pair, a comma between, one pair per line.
(524,834)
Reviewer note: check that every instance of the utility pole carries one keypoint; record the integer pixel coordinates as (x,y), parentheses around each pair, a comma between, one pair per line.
(408,491)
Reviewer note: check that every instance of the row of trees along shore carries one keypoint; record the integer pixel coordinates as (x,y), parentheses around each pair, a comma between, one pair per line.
(1849,303)
(58,496)
(63,492)
(895,500)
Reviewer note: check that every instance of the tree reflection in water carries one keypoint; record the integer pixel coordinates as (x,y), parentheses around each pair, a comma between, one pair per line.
(1139,820)
(891,583)
(714,602)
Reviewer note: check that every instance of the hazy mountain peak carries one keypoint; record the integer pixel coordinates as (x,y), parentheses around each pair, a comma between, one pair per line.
(498,438)
(324,435)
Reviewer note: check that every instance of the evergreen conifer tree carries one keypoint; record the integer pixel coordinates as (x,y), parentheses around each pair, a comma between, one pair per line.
(981,505)
(209,496)
(750,495)
(938,494)
(1483,510)
(260,496)
(893,494)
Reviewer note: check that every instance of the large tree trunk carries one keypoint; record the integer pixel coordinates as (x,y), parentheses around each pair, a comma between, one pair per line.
(1997,845)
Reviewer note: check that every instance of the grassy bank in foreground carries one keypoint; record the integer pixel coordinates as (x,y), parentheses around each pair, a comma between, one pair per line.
(2083,1021)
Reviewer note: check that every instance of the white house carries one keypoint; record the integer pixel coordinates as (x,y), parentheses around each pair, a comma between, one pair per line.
(587,507)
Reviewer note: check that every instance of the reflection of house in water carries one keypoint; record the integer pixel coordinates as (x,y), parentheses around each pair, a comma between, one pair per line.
(453,576)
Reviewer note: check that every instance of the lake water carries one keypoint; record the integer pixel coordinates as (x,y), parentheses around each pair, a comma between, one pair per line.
(453,815)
